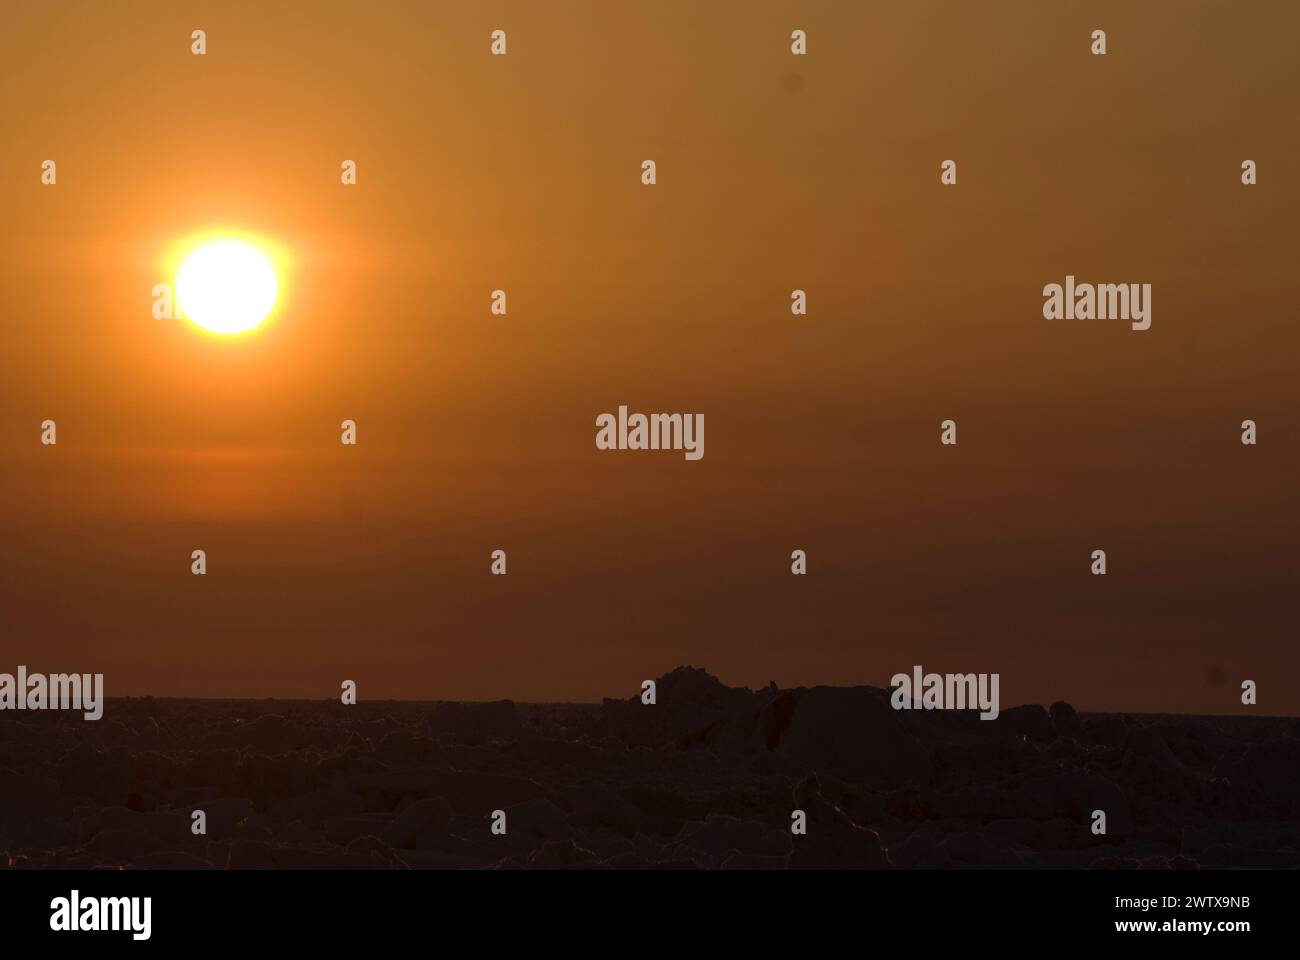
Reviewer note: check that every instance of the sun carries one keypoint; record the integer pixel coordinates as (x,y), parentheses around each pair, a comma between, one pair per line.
(227,286)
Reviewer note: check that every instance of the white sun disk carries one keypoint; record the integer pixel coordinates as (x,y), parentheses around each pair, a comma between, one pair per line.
(226,287)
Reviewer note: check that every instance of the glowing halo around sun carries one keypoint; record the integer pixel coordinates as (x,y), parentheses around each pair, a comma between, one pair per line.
(227,286)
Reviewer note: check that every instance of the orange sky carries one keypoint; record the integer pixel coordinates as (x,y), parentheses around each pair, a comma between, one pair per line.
(477,432)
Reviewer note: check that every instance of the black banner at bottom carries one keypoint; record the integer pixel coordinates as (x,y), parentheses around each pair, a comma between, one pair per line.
(1160,909)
